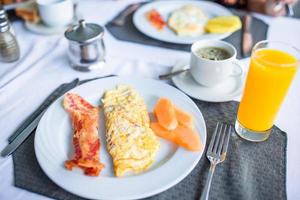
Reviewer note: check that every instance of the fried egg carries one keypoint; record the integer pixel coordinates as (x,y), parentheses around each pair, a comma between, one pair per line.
(188,20)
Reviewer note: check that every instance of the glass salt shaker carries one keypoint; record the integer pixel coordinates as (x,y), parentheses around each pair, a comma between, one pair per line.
(9,48)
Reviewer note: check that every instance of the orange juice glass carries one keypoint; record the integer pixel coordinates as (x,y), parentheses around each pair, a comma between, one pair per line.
(272,68)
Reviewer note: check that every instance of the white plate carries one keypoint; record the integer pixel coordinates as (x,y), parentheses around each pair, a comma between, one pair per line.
(53,146)
(226,91)
(165,8)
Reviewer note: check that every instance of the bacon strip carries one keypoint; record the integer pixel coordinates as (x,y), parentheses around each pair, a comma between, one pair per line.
(85,122)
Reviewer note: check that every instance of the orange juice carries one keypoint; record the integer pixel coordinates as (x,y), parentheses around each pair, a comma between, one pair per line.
(269,77)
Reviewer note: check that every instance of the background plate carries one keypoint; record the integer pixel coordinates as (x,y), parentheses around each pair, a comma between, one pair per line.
(165,8)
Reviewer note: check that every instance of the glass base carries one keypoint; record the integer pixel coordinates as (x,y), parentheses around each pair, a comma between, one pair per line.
(253,136)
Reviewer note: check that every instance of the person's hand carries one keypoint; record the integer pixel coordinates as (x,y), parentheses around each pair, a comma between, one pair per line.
(270,7)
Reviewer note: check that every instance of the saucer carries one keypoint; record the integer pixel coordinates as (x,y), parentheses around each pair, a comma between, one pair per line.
(225,91)
(41,28)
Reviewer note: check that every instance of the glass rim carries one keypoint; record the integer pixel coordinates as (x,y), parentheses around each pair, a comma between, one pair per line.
(278,42)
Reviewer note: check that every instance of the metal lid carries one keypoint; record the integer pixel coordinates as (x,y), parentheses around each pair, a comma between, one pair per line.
(2,12)
(84,32)
(4,26)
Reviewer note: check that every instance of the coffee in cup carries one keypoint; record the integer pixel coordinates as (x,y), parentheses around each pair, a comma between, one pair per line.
(213,61)
(213,53)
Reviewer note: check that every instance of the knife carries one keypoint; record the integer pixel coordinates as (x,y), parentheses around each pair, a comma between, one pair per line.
(96,78)
(247,40)
(26,128)
(53,96)
(22,133)
(11,147)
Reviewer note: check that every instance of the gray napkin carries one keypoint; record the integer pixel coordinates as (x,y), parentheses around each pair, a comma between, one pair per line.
(129,33)
(251,170)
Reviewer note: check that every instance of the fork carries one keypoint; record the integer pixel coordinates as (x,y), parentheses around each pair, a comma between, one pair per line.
(216,152)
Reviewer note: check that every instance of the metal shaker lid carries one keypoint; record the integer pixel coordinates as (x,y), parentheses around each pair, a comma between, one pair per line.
(4,26)
(2,12)
(84,32)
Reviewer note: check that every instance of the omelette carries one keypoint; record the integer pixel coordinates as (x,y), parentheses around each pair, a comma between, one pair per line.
(130,141)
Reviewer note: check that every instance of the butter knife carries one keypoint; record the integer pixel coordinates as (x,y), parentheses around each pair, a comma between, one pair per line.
(22,133)
(26,128)
(247,39)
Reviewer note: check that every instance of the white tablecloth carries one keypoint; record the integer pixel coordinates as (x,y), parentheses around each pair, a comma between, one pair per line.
(24,85)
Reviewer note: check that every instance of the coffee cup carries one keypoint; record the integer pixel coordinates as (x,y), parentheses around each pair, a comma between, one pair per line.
(211,73)
(56,13)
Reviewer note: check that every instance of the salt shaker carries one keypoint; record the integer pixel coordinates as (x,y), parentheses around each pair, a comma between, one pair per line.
(9,48)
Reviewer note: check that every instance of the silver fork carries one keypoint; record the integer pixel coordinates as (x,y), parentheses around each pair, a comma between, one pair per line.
(216,152)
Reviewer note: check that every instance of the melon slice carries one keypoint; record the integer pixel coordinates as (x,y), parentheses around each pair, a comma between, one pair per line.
(165,114)
(188,138)
(183,118)
(183,136)
(161,132)
(223,24)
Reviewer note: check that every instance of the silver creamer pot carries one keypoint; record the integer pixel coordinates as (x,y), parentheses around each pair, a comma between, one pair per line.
(86,46)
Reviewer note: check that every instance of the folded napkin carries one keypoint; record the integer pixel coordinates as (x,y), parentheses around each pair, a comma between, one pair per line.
(128,32)
(31,56)
(251,170)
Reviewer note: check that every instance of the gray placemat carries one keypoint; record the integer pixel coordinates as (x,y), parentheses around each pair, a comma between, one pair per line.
(251,170)
(297,10)
(129,33)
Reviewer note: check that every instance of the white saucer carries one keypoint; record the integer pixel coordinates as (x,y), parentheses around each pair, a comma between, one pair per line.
(226,91)
(41,28)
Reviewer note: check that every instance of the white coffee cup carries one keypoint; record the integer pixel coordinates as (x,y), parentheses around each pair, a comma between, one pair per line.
(56,13)
(213,72)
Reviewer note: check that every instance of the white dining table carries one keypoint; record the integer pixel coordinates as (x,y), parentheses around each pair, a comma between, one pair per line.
(43,66)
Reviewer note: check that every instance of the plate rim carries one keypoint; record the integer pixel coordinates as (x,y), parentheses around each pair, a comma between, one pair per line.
(137,26)
(138,195)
